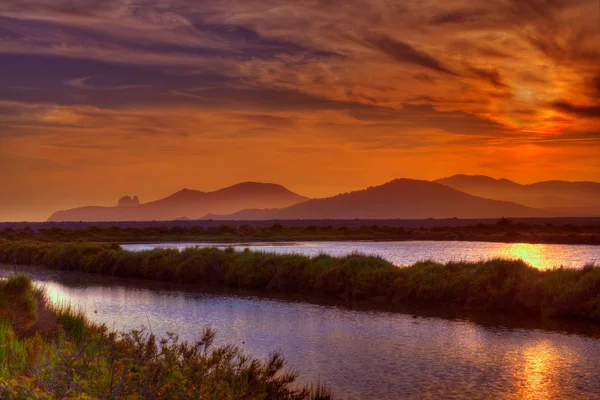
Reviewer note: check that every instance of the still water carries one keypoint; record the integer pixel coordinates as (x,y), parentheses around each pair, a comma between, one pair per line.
(541,256)
(360,354)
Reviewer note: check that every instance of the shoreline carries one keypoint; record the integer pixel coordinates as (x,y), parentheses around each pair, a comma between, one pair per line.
(504,286)
(52,351)
(41,274)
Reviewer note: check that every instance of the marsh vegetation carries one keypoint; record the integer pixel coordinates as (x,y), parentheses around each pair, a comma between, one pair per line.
(503,230)
(498,285)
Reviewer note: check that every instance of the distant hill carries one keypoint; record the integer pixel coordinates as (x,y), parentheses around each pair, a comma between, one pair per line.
(401,198)
(569,198)
(186,203)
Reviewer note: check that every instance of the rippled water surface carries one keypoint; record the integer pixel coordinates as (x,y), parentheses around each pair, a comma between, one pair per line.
(361,354)
(541,256)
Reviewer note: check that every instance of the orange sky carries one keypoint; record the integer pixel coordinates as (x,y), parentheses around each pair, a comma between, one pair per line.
(103,99)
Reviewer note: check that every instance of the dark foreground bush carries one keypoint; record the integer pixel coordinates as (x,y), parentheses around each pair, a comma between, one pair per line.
(509,286)
(76,359)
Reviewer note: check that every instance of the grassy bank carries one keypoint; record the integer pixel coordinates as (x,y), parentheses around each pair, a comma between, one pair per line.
(68,357)
(497,285)
(504,230)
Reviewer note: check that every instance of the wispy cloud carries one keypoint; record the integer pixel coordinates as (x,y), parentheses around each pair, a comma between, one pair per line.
(405,53)
(83,84)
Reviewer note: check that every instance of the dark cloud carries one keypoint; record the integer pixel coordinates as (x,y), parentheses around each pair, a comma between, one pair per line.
(527,9)
(54,76)
(557,37)
(580,111)
(405,53)
(489,75)
(595,84)
(426,116)
(425,78)
(82,7)
(237,41)
(553,47)
(252,44)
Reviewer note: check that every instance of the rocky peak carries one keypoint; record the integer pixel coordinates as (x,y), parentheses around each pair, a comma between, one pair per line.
(127,201)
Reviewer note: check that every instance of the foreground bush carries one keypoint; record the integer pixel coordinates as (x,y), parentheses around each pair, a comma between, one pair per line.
(76,359)
(509,286)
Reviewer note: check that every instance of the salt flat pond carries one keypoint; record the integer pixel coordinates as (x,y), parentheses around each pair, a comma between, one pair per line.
(541,256)
(362,354)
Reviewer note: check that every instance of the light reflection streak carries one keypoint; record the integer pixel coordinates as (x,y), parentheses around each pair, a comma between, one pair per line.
(538,375)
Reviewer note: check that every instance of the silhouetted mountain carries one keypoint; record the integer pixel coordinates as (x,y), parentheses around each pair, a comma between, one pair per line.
(571,198)
(186,203)
(401,198)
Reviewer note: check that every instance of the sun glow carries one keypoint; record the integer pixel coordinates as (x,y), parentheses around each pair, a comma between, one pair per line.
(533,254)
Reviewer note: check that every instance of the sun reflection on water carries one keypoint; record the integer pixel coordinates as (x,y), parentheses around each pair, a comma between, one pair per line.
(536,255)
(539,372)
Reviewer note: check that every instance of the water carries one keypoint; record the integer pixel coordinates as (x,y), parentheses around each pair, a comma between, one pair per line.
(542,256)
(361,354)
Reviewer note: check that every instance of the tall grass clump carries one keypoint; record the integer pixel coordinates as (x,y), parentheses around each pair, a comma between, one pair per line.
(78,359)
(12,351)
(509,286)
(19,301)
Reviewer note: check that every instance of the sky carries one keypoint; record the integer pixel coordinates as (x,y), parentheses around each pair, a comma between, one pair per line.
(100,99)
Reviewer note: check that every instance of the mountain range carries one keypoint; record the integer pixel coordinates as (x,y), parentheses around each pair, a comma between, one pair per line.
(560,197)
(460,196)
(190,204)
(398,199)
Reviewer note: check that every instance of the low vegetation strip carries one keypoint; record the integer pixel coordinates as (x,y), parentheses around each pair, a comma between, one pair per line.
(72,358)
(504,230)
(508,286)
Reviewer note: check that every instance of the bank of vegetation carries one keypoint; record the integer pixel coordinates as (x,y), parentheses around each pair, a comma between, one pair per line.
(506,286)
(55,353)
(504,230)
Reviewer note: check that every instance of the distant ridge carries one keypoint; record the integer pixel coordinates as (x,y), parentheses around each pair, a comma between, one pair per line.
(401,198)
(191,204)
(569,198)
(458,196)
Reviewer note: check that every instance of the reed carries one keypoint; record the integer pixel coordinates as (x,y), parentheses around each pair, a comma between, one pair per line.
(508,286)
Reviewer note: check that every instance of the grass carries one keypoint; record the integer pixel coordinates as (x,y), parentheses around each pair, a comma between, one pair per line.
(505,230)
(18,301)
(507,286)
(77,359)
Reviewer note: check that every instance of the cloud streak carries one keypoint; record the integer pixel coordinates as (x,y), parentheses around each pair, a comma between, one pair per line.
(405,53)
